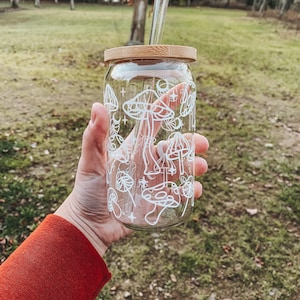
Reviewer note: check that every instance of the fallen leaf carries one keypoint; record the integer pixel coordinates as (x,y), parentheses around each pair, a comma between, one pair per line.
(252,211)
(196,220)
(258,261)
(227,249)
(173,278)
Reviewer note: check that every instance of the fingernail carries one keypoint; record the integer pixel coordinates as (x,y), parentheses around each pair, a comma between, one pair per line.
(93,114)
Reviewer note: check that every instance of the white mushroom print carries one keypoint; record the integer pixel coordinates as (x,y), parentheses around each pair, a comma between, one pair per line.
(139,108)
(138,176)
(112,105)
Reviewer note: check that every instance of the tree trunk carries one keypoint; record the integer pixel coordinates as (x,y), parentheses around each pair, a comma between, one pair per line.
(285,6)
(14,3)
(254,5)
(72,5)
(263,7)
(37,3)
(138,23)
(227,3)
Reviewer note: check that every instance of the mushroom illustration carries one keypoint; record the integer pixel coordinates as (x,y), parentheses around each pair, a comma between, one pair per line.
(112,104)
(188,99)
(178,149)
(110,99)
(150,116)
(112,202)
(163,196)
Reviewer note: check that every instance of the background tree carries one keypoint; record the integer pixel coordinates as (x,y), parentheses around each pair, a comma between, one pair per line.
(14,3)
(137,35)
(263,6)
(285,6)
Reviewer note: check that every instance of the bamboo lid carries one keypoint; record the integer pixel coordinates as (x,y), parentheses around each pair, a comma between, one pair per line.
(150,52)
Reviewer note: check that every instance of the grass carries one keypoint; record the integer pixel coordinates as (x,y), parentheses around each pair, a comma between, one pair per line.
(242,241)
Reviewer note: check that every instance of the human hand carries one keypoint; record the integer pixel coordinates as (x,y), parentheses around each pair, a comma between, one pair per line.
(86,206)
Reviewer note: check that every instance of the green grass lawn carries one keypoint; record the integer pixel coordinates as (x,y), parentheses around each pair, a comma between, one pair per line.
(242,241)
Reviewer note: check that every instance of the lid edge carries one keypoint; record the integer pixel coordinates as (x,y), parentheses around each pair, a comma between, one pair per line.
(150,52)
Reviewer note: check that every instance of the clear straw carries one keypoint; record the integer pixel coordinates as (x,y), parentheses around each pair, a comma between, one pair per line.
(158,20)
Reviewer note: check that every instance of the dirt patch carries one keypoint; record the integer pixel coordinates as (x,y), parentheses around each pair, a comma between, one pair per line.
(284,119)
(27,103)
(10,9)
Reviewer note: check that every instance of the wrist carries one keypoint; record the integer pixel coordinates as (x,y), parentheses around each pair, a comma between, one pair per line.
(70,213)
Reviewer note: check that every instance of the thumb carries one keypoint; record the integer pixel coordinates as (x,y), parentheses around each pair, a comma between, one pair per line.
(93,156)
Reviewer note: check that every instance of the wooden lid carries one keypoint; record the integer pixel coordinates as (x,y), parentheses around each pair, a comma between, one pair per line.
(150,52)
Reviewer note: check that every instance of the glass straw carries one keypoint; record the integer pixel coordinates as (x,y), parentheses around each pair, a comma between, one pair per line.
(158,19)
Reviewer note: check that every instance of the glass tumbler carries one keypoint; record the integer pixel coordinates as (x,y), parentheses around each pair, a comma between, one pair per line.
(150,95)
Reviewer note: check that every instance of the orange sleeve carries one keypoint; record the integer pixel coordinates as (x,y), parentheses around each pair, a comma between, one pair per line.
(55,262)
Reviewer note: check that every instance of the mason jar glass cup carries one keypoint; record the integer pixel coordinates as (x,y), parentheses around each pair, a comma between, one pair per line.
(150,95)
